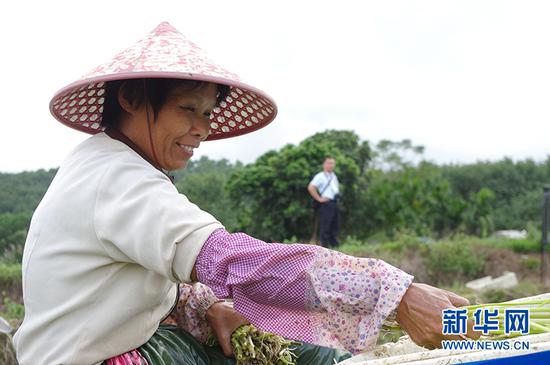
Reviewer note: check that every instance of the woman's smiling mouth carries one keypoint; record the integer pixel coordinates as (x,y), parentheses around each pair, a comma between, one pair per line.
(186,148)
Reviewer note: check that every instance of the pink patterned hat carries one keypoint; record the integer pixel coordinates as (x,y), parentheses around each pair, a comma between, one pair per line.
(164,53)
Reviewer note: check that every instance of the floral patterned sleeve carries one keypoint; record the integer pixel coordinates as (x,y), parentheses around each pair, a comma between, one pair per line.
(303,292)
(190,311)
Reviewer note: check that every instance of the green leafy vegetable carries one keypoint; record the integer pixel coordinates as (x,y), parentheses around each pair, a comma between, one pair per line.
(255,347)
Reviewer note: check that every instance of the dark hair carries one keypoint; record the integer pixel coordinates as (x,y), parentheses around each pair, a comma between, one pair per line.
(136,91)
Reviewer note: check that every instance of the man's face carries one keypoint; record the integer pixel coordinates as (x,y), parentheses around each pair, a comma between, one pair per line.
(329,164)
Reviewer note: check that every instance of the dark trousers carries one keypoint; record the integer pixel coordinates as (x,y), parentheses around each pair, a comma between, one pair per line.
(329,224)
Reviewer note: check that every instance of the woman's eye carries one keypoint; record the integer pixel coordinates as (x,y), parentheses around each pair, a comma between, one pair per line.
(189,108)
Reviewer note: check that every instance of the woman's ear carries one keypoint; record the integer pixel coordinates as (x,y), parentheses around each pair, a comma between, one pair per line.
(130,107)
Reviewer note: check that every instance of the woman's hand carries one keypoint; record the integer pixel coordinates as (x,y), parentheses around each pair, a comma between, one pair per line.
(224,320)
(419,314)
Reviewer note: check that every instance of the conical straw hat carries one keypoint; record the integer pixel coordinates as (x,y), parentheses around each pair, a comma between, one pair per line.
(164,53)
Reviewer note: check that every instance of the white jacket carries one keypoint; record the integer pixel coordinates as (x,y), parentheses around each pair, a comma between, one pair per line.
(105,249)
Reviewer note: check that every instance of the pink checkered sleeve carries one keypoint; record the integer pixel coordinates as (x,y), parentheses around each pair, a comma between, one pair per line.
(303,292)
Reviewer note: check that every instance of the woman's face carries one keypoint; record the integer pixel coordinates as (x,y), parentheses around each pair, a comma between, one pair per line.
(182,123)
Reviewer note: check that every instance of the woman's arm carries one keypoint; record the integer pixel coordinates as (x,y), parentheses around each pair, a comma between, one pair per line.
(303,292)
(316,295)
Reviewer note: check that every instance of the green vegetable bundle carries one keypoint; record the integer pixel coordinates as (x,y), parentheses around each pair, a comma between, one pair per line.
(255,347)
(539,316)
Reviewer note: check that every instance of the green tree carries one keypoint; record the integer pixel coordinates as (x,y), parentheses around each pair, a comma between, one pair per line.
(270,194)
(421,199)
(204,183)
(517,188)
(23,191)
(13,232)
(392,155)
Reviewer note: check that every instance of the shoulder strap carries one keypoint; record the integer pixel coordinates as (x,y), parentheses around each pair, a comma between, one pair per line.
(327,185)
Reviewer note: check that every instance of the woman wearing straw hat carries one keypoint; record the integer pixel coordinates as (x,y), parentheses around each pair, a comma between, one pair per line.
(112,239)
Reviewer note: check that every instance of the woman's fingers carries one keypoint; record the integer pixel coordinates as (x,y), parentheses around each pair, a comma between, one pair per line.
(224,320)
(456,300)
(470,333)
(474,335)
(459,301)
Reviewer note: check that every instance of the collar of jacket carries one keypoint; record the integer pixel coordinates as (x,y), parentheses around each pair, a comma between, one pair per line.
(114,133)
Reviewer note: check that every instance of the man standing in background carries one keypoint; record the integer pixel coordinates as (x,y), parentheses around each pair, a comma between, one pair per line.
(324,189)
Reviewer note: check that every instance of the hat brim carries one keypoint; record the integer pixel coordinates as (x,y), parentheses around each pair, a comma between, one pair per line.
(245,109)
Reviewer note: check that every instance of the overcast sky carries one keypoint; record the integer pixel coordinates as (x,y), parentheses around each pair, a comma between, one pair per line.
(469,80)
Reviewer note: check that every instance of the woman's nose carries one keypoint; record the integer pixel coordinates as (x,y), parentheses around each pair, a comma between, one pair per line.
(201,128)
